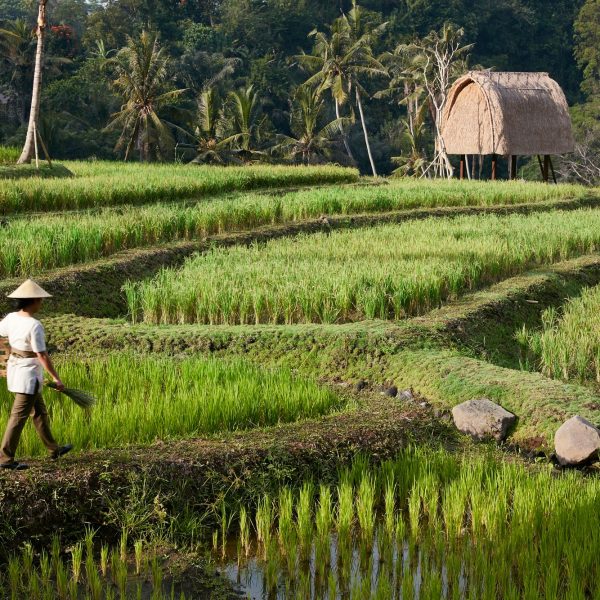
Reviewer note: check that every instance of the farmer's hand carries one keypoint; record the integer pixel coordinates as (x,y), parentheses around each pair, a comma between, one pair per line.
(60,386)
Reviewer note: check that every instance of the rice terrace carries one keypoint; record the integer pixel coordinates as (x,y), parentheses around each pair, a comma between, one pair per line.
(300,300)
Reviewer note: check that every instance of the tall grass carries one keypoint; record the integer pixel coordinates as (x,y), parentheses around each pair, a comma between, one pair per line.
(385,272)
(108,184)
(568,344)
(144,399)
(480,528)
(30,246)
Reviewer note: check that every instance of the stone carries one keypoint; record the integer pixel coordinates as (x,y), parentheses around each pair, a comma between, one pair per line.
(577,441)
(361,385)
(483,419)
(406,395)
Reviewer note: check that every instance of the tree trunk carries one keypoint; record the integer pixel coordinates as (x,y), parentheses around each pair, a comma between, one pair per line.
(364,126)
(28,148)
(344,136)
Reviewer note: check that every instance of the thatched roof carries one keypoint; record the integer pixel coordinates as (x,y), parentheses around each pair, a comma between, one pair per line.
(507,113)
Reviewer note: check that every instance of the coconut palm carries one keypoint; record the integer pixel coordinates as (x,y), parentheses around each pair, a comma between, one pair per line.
(244,120)
(142,70)
(310,142)
(212,145)
(343,60)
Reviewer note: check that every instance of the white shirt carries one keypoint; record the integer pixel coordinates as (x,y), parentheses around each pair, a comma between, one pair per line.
(25,334)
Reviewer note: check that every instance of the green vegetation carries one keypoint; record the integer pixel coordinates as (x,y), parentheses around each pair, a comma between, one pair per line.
(31,246)
(425,520)
(386,272)
(98,184)
(568,345)
(160,398)
(9,155)
(85,570)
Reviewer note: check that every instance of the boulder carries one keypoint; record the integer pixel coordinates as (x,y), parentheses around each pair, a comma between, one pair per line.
(483,419)
(576,441)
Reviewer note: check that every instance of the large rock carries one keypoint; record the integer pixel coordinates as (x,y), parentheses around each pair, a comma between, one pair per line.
(576,441)
(483,419)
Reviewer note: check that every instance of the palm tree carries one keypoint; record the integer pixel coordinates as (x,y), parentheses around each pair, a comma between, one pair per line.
(342,61)
(243,117)
(310,143)
(142,75)
(31,139)
(212,145)
(15,45)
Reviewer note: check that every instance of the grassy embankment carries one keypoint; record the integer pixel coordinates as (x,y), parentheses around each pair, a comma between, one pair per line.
(167,399)
(387,272)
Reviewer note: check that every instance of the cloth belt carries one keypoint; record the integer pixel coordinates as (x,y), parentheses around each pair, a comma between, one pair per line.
(23,353)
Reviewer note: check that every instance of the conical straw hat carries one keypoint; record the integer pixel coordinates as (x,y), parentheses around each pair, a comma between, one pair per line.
(30,289)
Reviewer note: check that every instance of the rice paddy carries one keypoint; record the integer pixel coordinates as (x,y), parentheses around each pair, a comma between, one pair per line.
(427,525)
(87,570)
(281,518)
(154,398)
(568,345)
(97,184)
(29,246)
(385,272)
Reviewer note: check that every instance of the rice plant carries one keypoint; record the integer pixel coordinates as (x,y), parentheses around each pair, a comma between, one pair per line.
(386,272)
(541,543)
(29,246)
(162,398)
(31,575)
(568,344)
(108,184)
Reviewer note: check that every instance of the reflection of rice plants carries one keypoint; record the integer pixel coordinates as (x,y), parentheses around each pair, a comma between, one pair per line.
(84,574)
(462,528)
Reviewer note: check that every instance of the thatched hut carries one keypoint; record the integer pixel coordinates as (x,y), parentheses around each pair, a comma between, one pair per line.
(507,114)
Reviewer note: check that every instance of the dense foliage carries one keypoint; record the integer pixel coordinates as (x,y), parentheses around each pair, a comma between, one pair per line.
(220,78)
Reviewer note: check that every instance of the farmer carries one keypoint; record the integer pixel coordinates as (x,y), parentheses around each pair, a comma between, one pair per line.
(25,375)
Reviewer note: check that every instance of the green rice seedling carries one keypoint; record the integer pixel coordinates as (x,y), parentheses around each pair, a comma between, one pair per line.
(215,541)
(212,396)
(76,561)
(244,531)
(27,560)
(414,512)
(332,587)
(264,523)
(365,508)
(94,584)
(138,550)
(14,576)
(324,516)
(390,507)
(345,512)
(304,518)
(157,578)
(385,272)
(62,580)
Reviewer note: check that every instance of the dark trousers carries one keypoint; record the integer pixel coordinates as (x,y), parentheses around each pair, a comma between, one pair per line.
(24,406)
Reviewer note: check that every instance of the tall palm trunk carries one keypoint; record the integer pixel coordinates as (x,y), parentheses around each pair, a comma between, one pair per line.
(28,148)
(364,126)
(344,136)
